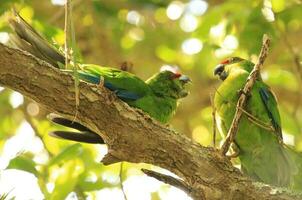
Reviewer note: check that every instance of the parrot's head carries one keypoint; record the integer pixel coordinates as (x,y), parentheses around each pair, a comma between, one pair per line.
(169,84)
(227,66)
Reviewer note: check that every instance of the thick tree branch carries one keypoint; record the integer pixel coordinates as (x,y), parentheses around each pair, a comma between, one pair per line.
(130,134)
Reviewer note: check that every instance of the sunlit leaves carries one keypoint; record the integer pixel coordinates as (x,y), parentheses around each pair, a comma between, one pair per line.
(175,9)
(23,163)
(281,78)
(68,153)
(66,179)
(192,46)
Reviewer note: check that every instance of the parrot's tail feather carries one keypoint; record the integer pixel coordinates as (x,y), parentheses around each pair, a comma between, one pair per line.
(68,123)
(29,40)
(296,158)
(87,137)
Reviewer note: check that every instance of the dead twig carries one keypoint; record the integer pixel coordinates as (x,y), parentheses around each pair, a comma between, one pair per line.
(171,181)
(122,180)
(214,120)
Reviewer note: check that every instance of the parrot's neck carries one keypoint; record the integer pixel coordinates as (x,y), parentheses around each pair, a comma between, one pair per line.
(158,87)
(247,65)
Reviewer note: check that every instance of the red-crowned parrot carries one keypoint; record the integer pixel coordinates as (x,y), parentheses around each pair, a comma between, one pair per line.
(158,96)
(262,153)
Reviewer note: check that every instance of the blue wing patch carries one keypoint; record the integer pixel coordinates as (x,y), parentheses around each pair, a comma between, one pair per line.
(89,77)
(120,93)
(126,95)
(266,96)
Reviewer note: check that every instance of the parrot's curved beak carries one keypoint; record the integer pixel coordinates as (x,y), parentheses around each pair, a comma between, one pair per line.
(185,79)
(219,71)
(183,94)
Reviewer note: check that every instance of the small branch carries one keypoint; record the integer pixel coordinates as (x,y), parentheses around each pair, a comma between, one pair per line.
(67,32)
(214,120)
(243,97)
(61,12)
(172,181)
(122,180)
(70,48)
(109,159)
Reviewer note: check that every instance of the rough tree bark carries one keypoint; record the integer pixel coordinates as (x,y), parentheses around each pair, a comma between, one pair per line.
(130,134)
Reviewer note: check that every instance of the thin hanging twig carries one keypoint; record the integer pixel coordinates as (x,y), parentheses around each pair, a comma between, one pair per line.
(121,180)
(70,48)
(67,32)
(214,120)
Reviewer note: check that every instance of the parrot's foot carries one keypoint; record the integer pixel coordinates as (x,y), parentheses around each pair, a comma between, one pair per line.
(240,92)
(235,151)
(111,98)
(102,82)
(168,126)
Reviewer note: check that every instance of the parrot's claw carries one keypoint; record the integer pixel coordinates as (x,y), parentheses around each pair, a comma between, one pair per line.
(102,81)
(235,151)
(233,155)
(111,98)
(168,126)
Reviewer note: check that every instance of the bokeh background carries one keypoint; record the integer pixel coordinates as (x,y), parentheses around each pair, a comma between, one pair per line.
(194,35)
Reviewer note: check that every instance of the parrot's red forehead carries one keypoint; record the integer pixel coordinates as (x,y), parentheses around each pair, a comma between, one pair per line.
(177,75)
(224,62)
(174,69)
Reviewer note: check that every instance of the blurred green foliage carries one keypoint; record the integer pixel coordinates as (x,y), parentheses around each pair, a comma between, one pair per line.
(194,35)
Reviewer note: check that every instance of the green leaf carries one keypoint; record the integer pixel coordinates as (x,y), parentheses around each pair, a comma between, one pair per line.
(282,78)
(23,163)
(291,13)
(68,153)
(67,179)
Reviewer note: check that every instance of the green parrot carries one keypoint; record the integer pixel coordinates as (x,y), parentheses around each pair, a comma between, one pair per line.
(262,153)
(158,96)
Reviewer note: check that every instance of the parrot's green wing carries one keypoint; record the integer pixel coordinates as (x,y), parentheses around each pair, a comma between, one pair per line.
(125,85)
(270,104)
